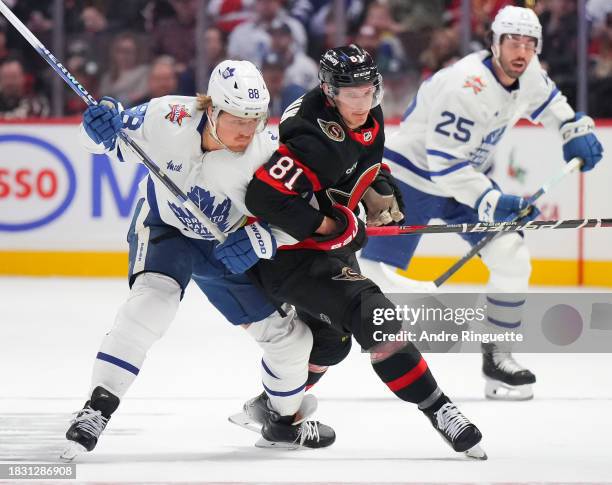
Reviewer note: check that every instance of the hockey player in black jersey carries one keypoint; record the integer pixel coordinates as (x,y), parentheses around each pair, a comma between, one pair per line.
(329,159)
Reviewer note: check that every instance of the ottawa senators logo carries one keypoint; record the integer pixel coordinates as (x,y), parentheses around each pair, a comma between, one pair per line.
(177,113)
(332,129)
(349,274)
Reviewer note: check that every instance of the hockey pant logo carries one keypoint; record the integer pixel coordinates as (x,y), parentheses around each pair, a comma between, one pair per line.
(349,274)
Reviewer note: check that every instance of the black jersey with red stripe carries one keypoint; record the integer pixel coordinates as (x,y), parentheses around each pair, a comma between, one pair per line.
(320,162)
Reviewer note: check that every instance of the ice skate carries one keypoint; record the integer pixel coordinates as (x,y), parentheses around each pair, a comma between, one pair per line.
(284,432)
(289,432)
(89,422)
(256,410)
(505,378)
(457,430)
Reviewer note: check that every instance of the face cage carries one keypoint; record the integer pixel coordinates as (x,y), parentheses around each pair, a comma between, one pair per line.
(263,121)
(376,99)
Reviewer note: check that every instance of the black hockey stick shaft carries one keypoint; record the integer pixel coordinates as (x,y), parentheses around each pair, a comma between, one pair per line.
(571,166)
(493,227)
(80,90)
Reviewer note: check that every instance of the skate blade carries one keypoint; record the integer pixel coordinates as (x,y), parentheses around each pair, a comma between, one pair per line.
(476,453)
(501,391)
(72,451)
(279,445)
(245,421)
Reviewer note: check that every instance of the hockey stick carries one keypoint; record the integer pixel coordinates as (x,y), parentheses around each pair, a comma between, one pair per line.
(494,227)
(569,167)
(78,88)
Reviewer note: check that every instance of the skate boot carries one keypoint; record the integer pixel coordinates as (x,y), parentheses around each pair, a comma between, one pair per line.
(89,422)
(277,431)
(506,378)
(255,411)
(456,429)
(285,432)
(257,408)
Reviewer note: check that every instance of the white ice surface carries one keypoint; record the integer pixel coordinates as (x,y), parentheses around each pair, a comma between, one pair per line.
(173,424)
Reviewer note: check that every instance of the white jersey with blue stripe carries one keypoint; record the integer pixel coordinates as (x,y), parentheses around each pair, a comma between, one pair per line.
(447,137)
(169,130)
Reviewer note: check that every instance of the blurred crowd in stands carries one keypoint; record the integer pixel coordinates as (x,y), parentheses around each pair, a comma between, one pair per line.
(134,50)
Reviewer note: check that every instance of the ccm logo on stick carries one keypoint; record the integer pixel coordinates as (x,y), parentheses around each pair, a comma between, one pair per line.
(37,182)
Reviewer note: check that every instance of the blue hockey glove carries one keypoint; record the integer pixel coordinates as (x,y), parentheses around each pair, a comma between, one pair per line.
(579,140)
(494,206)
(103,122)
(244,247)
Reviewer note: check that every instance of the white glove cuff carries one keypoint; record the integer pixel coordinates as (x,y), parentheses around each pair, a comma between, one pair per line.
(575,129)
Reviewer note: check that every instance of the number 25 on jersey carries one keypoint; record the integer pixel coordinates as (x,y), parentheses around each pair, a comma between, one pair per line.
(455,126)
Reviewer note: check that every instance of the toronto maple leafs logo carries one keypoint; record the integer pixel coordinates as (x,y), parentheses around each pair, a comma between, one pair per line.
(177,113)
(217,213)
(229,72)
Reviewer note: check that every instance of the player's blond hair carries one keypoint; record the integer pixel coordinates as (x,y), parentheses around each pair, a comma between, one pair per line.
(203,101)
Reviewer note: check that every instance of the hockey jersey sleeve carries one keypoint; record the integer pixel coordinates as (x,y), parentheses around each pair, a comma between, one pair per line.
(548,106)
(140,122)
(456,126)
(280,193)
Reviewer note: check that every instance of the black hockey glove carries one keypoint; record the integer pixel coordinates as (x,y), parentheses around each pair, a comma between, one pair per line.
(383,201)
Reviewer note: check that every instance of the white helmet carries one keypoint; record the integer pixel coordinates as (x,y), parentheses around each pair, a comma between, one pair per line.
(238,88)
(518,21)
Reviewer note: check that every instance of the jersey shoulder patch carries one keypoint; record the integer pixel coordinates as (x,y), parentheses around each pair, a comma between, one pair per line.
(332,130)
(468,75)
(175,110)
(177,113)
(474,82)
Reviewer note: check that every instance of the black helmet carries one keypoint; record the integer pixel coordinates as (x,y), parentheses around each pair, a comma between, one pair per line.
(347,66)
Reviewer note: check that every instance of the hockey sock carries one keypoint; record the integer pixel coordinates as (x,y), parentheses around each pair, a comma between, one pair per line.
(141,321)
(407,375)
(286,342)
(315,372)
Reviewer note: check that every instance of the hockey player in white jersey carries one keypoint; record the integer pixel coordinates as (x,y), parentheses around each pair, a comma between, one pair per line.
(209,146)
(443,151)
